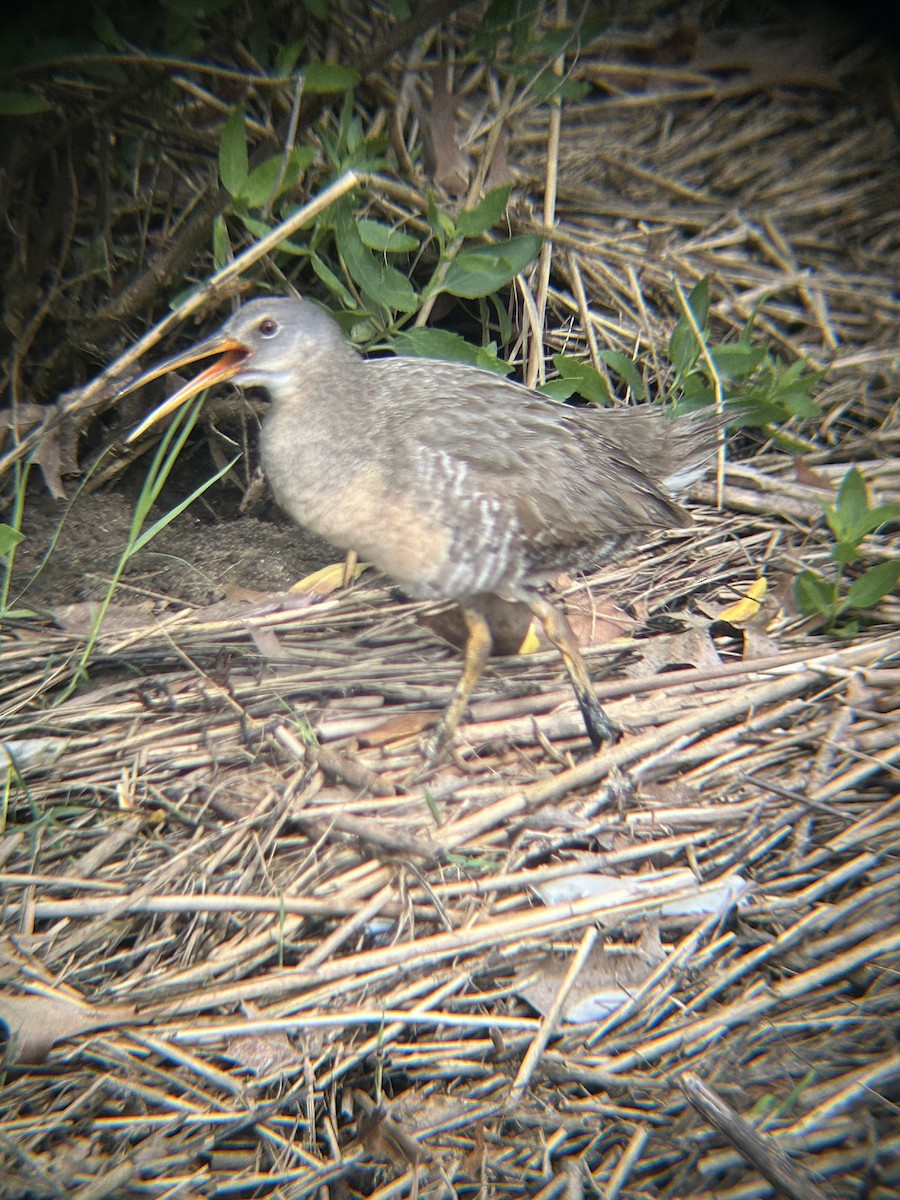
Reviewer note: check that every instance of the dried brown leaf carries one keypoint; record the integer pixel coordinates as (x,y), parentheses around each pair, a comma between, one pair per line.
(451,167)
(671,652)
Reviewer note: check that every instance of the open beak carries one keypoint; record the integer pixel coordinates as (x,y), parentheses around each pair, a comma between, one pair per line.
(233,356)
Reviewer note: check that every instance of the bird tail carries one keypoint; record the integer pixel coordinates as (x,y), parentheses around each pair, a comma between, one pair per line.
(693,440)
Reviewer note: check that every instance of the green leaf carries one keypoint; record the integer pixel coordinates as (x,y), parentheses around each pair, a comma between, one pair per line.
(167,518)
(627,369)
(871,520)
(737,360)
(384,238)
(443,344)
(875,584)
(845,552)
(564,87)
(475,221)
(699,302)
(813,594)
(233,163)
(696,393)
(286,58)
(559,389)
(839,524)
(221,243)
(260,229)
(9,539)
(381,283)
(882,514)
(800,404)
(261,181)
(444,228)
(848,629)
(22,104)
(853,503)
(106,31)
(328,77)
(332,282)
(788,376)
(587,382)
(485,269)
(504,320)
(684,349)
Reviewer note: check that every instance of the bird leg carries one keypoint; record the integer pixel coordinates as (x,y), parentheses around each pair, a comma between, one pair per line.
(477,651)
(599,727)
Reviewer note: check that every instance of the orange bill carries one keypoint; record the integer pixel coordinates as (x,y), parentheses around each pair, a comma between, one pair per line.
(233,356)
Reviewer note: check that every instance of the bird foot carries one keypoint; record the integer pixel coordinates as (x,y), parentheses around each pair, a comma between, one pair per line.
(601,729)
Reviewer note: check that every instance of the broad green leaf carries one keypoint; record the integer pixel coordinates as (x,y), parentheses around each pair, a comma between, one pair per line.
(483,270)
(853,503)
(559,389)
(233,164)
(260,182)
(845,552)
(9,539)
(381,283)
(881,514)
(695,391)
(473,222)
(22,104)
(554,41)
(737,360)
(839,524)
(381,237)
(871,587)
(684,349)
(627,369)
(565,87)
(262,179)
(587,382)
(800,404)
(813,594)
(328,77)
(443,344)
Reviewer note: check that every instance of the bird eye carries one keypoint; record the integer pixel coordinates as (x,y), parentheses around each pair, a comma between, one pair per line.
(268,327)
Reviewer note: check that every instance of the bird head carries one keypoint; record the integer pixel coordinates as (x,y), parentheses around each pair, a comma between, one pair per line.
(264,344)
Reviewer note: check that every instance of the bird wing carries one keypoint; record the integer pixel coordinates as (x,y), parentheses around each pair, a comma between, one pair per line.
(561,473)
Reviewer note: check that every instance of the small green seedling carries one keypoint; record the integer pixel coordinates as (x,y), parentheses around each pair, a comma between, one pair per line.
(850,520)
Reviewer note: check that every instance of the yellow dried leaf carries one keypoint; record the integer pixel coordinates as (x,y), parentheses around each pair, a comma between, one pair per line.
(531,643)
(747,608)
(327,580)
